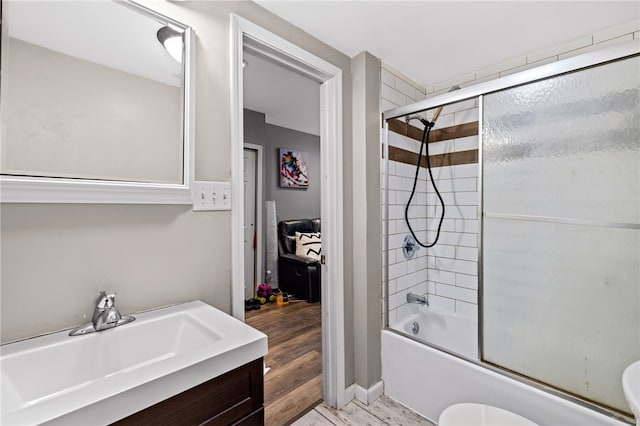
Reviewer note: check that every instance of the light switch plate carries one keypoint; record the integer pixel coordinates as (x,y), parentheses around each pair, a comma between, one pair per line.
(210,196)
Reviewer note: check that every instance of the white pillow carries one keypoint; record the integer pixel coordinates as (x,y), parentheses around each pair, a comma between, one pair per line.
(308,244)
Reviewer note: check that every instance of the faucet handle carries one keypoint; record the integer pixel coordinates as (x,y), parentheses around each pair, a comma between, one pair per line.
(104,300)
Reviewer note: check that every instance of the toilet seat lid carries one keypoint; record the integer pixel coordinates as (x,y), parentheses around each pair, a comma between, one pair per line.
(470,414)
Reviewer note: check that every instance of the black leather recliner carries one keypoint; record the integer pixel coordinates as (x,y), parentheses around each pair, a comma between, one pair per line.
(299,276)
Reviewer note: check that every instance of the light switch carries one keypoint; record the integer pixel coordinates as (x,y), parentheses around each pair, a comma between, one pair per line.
(209,196)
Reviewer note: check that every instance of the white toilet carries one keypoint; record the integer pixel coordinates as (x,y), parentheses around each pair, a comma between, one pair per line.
(469,414)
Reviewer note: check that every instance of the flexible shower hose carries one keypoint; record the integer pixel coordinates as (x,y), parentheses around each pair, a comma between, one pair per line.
(425,144)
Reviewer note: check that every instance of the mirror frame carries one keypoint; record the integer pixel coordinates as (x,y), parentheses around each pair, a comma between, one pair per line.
(24,189)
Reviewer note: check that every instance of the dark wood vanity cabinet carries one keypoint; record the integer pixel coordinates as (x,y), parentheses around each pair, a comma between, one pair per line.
(235,398)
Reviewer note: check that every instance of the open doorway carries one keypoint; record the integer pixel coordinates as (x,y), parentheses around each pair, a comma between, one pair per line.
(281,119)
(261,42)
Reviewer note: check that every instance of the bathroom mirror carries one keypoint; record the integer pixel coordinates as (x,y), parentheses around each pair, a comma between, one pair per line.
(97,104)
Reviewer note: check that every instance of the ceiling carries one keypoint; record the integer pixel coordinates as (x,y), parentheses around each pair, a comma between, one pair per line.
(286,98)
(436,41)
(429,41)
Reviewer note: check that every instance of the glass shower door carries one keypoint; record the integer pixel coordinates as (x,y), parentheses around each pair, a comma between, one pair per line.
(561,230)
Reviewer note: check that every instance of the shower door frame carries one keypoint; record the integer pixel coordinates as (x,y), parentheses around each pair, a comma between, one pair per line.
(576,63)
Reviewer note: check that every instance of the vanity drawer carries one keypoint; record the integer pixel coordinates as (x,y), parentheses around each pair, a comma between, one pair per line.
(235,397)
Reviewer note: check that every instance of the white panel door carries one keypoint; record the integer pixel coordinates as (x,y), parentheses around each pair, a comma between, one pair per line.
(249,223)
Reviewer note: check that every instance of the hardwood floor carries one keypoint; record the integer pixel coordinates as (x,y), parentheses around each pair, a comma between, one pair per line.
(383,411)
(293,385)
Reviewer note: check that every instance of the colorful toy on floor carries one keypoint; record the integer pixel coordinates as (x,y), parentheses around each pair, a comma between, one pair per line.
(282,299)
(265,293)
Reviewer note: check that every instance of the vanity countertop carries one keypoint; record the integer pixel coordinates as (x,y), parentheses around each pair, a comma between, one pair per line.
(101,377)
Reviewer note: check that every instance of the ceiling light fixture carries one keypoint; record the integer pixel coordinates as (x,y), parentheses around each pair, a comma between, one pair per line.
(172,42)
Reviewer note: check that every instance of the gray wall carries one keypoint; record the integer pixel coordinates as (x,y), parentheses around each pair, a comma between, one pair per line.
(254,127)
(367,247)
(55,257)
(292,203)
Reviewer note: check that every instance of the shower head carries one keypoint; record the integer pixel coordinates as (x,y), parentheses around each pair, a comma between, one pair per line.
(413,117)
(439,110)
(435,116)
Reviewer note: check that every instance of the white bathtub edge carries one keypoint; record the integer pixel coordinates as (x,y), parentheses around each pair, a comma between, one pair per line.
(428,381)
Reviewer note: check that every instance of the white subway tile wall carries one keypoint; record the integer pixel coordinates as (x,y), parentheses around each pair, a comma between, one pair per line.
(398,90)
(448,272)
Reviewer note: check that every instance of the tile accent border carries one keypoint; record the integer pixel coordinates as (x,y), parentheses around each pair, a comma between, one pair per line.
(437,135)
(441,160)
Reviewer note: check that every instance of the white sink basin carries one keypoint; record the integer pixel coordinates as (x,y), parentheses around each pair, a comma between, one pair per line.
(631,388)
(117,372)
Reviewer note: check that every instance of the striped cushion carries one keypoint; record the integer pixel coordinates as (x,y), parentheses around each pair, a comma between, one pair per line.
(308,244)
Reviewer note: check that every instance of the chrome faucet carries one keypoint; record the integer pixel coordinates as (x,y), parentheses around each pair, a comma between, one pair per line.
(105,316)
(414,298)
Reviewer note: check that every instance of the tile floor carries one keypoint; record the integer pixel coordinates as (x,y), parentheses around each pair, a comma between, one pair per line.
(383,411)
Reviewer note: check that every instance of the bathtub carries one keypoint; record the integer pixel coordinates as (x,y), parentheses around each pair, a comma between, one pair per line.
(453,332)
(428,380)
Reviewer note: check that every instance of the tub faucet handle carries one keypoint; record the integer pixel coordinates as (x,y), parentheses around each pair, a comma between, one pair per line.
(409,247)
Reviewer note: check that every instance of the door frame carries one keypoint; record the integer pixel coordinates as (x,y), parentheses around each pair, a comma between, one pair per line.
(259,210)
(262,42)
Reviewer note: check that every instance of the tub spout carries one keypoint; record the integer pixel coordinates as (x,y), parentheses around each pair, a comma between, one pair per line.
(414,298)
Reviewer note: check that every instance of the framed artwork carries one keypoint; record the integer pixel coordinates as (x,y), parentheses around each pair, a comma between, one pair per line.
(293,169)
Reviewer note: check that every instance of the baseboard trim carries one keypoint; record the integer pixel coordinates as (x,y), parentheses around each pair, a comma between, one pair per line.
(367,396)
(349,394)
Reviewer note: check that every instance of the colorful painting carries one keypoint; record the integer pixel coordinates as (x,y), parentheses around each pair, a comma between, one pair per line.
(293,169)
